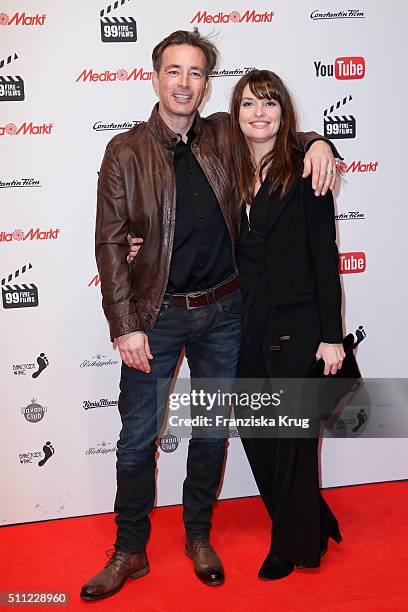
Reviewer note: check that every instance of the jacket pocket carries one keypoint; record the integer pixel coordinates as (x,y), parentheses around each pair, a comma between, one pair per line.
(301,271)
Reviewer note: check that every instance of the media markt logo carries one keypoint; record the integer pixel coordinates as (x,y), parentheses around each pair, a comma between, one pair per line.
(11,87)
(361,167)
(350,216)
(102,403)
(352,263)
(18,296)
(21,19)
(100,126)
(169,442)
(339,126)
(103,448)
(231,72)
(21,369)
(19,235)
(19,183)
(343,14)
(343,69)
(110,76)
(34,412)
(30,457)
(26,129)
(98,361)
(249,16)
(117,29)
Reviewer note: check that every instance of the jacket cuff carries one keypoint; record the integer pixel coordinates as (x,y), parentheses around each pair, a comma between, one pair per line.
(126,325)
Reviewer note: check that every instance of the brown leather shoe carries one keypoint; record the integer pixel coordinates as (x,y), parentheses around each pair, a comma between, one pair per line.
(207,564)
(118,569)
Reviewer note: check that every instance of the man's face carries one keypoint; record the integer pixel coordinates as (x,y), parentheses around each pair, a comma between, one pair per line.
(181,83)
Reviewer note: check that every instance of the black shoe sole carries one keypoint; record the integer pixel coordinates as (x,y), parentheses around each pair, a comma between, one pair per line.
(142,572)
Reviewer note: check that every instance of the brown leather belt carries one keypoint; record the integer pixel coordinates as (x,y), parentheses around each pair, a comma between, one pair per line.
(202,298)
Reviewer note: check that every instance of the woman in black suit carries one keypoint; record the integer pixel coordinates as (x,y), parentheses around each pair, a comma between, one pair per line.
(288,263)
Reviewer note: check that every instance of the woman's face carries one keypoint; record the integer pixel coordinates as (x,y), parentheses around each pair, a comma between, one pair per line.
(259,120)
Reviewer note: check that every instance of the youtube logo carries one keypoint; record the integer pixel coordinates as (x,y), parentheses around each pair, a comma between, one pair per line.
(352,263)
(343,69)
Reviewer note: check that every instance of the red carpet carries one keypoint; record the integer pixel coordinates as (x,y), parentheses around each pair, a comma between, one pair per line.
(367,572)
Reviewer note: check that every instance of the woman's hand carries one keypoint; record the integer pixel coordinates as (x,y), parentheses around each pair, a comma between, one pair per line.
(332,355)
(135,246)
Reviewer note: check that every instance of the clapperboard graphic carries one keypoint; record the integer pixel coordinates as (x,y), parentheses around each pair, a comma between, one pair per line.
(11,88)
(339,126)
(18,296)
(117,29)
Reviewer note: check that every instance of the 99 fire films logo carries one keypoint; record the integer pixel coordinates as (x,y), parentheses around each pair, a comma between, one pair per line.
(339,127)
(11,88)
(117,29)
(18,296)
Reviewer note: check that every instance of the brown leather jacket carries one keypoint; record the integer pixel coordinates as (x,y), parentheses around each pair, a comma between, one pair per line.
(137,193)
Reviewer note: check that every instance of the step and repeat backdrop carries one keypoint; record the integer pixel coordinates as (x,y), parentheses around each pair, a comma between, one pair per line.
(73,75)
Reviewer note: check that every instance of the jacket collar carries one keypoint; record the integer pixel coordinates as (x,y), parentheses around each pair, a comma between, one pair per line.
(278,205)
(164,134)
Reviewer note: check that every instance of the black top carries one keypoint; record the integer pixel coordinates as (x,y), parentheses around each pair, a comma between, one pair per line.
(202,249)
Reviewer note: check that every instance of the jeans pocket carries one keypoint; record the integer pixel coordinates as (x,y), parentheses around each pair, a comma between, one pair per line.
(231,304)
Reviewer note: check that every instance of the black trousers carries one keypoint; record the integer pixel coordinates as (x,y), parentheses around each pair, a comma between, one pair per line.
(286,469)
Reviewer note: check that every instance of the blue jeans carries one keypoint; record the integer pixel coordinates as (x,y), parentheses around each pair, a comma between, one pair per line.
(211,336)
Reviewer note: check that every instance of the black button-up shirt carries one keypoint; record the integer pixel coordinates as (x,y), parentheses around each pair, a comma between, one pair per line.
(202,249)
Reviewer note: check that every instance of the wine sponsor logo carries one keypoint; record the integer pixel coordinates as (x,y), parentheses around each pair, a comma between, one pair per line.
(26,129)
(248,16)
(18,296)
(101,126)
(11,87)
(352,263)
(30,457)
(21,182)
(22,19)
(336,126)
(117,29)
(113,76)
(18,235)
(33,413)
(98,361)
(102,448)
(33,369)
(343,14)
(343,69)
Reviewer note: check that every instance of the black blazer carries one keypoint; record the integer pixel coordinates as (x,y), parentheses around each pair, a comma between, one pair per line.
(300,253)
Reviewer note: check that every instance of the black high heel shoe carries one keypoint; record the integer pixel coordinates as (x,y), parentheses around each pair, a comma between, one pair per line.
(334,535)
(274,568)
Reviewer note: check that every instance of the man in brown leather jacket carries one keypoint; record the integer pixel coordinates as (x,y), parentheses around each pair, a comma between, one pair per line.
(170,180)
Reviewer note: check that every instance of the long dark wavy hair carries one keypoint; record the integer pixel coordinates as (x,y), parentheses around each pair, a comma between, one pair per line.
(284,160)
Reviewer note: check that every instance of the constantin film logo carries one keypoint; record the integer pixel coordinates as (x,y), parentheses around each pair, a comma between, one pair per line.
(336,126)
(101,126)
(352,263)
(343,69)
(18,295)
(112,76)
(18,235)
(231,72)
(11,87)
(351,215)
(19,183)
(33,413)
(117,29)
(31,457)
(249,16)
(26,129)
(316,15)
(22,19)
